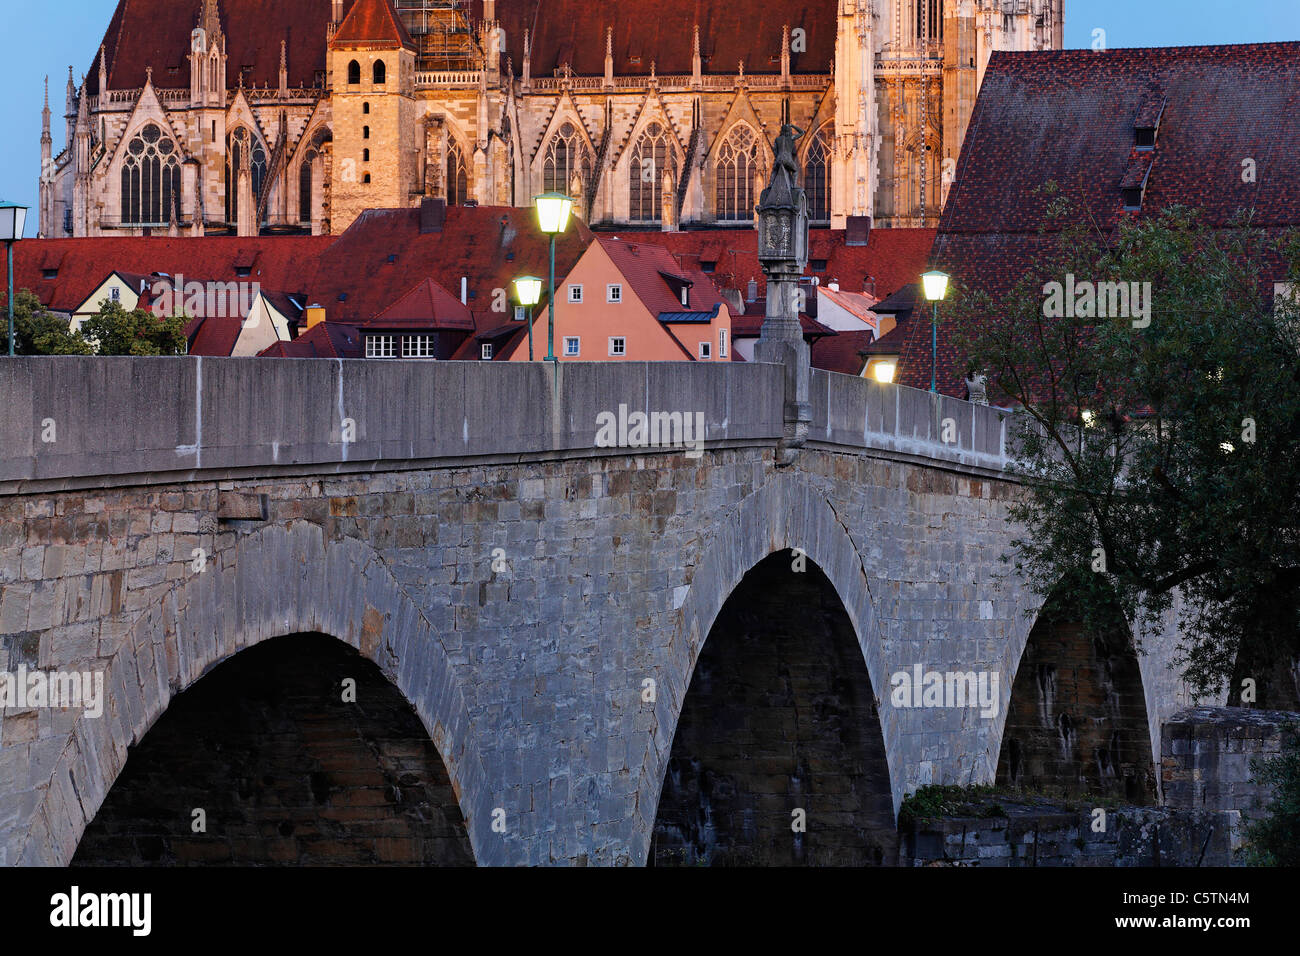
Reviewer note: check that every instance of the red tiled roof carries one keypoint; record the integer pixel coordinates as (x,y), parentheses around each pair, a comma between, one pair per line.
(662,32)
(645,266)
(1069,116)
(278,262)
(891,257)
(372,24)
(428,305)
(383,253)
(841,352)
(214,335)
(156,33)
(323,340)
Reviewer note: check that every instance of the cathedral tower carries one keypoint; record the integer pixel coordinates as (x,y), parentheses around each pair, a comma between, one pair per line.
(372,69)
(853,180)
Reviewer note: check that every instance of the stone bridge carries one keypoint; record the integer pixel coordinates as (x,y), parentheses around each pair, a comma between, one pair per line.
(417,612)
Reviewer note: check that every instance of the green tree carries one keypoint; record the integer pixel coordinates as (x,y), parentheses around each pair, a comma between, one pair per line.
(1275,839)
(115,331)
(36,331)
(1161,459)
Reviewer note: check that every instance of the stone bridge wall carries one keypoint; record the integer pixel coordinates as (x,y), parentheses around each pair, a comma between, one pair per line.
(517,584)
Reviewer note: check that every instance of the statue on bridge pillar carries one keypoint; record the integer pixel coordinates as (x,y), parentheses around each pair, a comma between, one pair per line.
(783,254)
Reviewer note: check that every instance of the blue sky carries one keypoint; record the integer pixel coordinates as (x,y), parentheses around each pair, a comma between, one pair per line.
(39,38)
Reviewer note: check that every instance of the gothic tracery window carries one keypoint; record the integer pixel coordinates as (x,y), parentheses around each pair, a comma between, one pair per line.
(151,179)
(457,176)
(653,155)
(304,188)
(737,162)
(238,154)
(565,156)
(815,182)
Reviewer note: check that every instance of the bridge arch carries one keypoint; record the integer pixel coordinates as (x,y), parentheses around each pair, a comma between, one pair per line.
(278,581)
(1075,718)
(794,514)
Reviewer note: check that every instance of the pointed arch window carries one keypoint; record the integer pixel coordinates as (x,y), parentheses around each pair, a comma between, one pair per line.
(381,73)
(457,176)
(653,155)
(151,179)
(305,206)
(566,155)
(354,73)
(815,182)
(239,153)
(737,163)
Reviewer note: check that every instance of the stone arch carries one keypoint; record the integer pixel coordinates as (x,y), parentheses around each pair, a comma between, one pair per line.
(280,580)
(1076,712)
(794,515)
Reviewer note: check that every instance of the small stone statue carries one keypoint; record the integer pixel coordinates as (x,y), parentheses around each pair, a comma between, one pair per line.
(977,388)
(784,149)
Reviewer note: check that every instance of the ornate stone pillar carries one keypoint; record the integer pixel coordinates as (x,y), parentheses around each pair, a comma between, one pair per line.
(783,254)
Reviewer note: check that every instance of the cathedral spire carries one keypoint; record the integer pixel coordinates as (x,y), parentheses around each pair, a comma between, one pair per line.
(45,113)
(284,68)
(210,19)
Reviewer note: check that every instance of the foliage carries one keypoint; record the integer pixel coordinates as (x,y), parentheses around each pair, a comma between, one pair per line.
(115,331)
(36,331)
(1161,459)
(1275,839)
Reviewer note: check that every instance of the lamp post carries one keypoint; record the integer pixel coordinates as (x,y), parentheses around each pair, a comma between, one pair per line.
(529,291)
(13,218)
(935,285)
(553,211)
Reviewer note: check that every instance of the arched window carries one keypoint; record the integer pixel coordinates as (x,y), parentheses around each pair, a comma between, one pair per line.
(365,155)
(457,177)
(653,154)
(354,73)
(366,178)
(565,156)
(239,152)
(365,132)
(365,108)
(815,183)
(304,188)
(737,161)
(151,179)
(381,73)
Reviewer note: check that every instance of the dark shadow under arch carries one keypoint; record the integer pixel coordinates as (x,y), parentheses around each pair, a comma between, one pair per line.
(1077,721)
(779,717)
(285,771)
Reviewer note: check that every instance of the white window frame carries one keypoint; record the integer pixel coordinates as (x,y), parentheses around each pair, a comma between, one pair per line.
(722,343)
(381,346)
(706,351)
(485,351)
(575,294)
(576,342)
(618,345)
(614,293)
(417,346)
(115,294)
(521,313)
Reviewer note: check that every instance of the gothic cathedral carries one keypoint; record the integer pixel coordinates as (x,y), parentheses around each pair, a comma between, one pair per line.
(238,117)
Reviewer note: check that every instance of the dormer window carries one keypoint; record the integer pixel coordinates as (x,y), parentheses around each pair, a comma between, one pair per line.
(1144,137)
(1146,125)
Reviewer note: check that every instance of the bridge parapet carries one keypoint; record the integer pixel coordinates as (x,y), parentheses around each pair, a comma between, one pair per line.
(73,422)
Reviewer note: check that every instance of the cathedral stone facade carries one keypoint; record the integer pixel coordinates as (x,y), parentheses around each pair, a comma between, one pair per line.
(241,117)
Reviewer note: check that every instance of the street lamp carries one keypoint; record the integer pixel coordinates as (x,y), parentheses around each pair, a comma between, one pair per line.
(13,218)
(529,291)
(935,285)
(553,217)
(884,372)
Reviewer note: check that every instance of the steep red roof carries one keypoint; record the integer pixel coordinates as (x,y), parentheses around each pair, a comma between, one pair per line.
(841,352)
(156,33)
(280,263)
(428,305)
(645,267)
(372,24)
(662,32)
(215,335)
(383,254)
(1070,116)
(891,257)
(323,340)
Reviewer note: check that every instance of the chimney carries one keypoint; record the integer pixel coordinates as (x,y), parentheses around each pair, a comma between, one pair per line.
(433,213)
(751,291)
(313,315)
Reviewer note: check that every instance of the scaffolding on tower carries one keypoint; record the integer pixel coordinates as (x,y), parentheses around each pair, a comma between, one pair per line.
(442,34)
